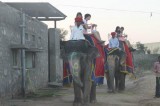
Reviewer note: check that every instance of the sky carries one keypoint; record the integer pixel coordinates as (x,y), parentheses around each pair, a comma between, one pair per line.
(140,18)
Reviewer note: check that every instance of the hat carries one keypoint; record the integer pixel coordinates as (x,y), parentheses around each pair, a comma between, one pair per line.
(78,19)
(113,33)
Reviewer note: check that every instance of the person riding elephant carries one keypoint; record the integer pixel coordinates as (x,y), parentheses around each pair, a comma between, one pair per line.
(114,59)
(126,67)
(80,54)
(96,34)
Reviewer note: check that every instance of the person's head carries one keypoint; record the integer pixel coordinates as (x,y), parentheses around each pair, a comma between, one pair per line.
(78,21)
(79,14)
(122,29)
(87,17)
(117,29)
(113,34)
(159,58)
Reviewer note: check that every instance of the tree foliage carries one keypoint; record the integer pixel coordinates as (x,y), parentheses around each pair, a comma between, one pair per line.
(141,47)
(62,33)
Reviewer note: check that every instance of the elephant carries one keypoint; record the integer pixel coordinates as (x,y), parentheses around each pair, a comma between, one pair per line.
(80,55)
(115,78)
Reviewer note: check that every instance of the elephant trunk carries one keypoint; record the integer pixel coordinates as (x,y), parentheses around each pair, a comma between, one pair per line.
(75,67)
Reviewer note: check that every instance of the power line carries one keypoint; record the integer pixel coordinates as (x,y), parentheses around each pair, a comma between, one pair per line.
(107,9)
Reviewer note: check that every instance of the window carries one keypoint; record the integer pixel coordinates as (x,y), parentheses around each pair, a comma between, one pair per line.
(33,38)
(40,39)
(30,59)
(15,57)
(26,36)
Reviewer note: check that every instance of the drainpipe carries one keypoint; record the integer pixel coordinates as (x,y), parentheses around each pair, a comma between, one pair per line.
(55,24)
(23,67)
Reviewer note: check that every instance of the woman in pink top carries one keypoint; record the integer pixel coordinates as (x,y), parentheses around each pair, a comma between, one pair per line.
(157,73)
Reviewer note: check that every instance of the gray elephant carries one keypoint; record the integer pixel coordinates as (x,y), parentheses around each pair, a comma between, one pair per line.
(80,54)
(115,78)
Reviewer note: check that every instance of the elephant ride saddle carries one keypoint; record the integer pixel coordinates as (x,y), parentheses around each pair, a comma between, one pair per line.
(76,46)
(113,51)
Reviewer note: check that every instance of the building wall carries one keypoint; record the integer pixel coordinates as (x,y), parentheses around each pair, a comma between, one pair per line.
(55,62)
(37,37)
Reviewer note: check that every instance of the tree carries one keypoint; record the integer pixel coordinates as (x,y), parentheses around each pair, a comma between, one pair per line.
(148,51)
(141,47)
(62,33)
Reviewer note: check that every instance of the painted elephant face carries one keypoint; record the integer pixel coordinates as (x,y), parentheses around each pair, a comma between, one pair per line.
(79,54)
(74,59)
(111,62)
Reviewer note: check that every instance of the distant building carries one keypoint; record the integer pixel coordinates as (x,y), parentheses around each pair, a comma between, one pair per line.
(153,47)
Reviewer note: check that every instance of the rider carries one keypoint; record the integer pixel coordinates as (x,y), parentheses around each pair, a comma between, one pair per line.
(123,38)
(114,45)
(95,33)
(157,73)
(113,42)
(79,14)
(77,30)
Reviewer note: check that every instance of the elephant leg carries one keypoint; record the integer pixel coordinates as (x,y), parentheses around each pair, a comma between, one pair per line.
(116,81)
(117,74)
(87,84)
(108,82)
(122,82)
(86,94)
(77,94)
(93,93)
(111,80)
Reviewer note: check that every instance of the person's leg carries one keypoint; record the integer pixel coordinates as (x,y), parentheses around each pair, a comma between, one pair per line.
(97,36)
(157,87)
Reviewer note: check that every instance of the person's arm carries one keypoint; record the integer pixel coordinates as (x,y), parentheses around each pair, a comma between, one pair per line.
(110,44)
(72,34)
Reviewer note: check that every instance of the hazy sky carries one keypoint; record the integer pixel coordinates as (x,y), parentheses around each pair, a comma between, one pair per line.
(107,14)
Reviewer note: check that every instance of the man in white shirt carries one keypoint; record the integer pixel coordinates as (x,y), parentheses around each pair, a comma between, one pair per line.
(77,30)
(113,42)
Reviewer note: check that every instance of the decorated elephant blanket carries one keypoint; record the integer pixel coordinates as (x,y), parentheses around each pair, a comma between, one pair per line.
(98,73)
(129,59)
(67,77)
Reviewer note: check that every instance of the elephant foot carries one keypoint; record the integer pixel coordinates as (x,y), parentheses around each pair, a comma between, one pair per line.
(111,91)
(86,104)
(93,101)
(77,104)
(120,91)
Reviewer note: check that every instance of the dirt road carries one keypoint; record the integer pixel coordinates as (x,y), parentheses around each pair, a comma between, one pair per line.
(139,92)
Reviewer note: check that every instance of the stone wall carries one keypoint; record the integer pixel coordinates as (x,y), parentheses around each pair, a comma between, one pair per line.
(37,38)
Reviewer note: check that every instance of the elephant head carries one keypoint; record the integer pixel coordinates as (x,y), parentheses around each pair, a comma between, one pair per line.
(79,54)
(112,69)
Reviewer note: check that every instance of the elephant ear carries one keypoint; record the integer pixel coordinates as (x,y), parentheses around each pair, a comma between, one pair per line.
(93,53)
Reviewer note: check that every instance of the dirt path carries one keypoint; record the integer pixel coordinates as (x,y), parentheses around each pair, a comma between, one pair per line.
(138,92)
